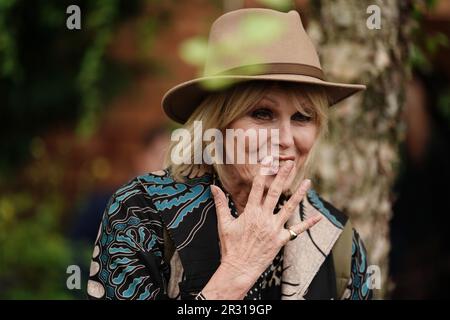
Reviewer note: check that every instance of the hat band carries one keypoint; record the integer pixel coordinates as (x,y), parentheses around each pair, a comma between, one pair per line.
(276,68)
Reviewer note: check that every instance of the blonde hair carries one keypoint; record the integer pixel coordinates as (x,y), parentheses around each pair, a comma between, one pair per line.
(219,109)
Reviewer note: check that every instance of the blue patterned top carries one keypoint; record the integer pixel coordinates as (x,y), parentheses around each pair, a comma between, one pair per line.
(129,262)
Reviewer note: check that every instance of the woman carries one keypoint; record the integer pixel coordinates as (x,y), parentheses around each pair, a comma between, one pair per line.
(211,228)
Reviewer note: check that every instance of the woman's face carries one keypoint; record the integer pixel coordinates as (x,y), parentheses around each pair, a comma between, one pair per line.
(296,136)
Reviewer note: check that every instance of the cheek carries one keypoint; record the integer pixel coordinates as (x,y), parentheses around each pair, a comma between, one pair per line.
(258,139)
(243,172)
(304,139)
(241,123)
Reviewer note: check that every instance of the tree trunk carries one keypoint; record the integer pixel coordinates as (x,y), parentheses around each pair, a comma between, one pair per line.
(358,162)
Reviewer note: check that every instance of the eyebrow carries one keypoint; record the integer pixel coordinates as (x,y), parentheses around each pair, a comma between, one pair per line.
(270,99)
(305,106)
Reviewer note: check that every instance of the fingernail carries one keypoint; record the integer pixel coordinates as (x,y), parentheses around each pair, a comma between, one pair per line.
(267,161)
(306,183)
(266,168)
(213,189)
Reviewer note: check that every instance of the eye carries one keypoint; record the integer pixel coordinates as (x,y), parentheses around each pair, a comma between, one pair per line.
(262,114)
(301,117)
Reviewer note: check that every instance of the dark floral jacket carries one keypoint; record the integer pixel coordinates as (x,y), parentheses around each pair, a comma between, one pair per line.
(153,212)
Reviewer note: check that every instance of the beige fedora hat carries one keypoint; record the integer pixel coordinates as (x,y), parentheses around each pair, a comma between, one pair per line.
(254,44)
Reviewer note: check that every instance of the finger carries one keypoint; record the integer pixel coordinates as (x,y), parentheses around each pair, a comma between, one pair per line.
(257,191)
(221,203)
(277,186)
(290,206)
(305,225)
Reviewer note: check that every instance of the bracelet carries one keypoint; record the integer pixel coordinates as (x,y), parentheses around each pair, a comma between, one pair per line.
(200,296)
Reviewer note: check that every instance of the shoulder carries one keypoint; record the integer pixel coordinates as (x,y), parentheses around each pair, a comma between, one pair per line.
(128,248)
(129,208)
(160,186)
(339,219)
(358,286)
(142,187)
(333,214)
(131,193)
(164,178)
(146,192)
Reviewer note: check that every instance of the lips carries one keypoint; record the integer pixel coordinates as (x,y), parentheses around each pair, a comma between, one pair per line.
(286,158)
(280,161)
(268,159)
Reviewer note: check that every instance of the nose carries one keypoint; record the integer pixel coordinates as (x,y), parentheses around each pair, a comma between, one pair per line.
(286,136)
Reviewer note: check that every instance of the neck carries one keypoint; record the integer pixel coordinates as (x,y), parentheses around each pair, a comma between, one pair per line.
(238,190)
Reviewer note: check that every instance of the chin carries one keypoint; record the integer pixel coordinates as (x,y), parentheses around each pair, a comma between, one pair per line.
(286,188)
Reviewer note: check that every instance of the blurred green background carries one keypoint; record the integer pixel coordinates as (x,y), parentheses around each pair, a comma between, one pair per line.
(51,78)
(79,107)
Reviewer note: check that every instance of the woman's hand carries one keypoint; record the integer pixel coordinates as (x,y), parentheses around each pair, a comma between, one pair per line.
(250,242)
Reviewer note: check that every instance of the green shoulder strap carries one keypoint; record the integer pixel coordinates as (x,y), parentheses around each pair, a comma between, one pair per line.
(342,258)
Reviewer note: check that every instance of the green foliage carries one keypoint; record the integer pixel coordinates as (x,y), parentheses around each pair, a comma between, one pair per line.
(254,30)
(34,255)
(50,76)
(425,46)
(280,5)
(424,50)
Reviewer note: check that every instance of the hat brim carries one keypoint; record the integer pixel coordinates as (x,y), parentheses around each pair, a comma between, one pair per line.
(181,101)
